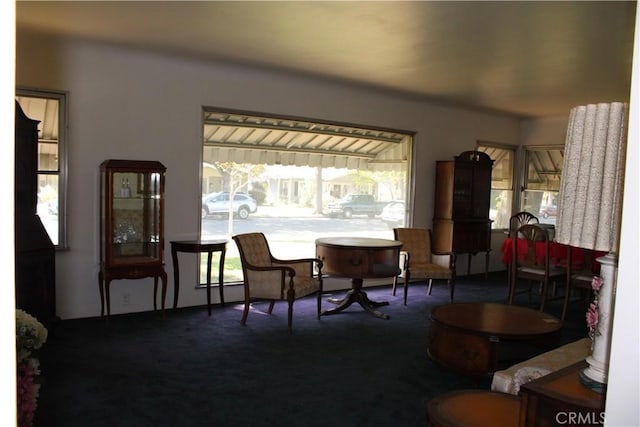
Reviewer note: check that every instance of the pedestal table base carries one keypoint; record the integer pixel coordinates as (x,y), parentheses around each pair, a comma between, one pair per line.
(356,294)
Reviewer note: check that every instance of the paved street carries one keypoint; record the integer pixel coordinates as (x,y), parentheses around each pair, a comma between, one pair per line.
(291,232)
(295,224)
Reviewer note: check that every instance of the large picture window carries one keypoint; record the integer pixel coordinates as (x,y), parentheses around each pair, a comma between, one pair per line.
(49,108)
(297,180)
(543,168)
(501,182)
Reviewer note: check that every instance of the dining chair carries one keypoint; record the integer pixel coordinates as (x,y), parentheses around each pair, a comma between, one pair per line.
(579,276)
(516,221)
(521,218)
(266,277)
(530,260)
(419,261)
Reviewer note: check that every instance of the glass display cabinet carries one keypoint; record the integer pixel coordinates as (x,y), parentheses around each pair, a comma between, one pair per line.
(131,225)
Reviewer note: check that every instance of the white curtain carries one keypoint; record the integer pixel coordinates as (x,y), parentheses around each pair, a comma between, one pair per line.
(590,197)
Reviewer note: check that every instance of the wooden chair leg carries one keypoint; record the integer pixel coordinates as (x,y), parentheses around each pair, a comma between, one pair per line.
(395,282)
(512,291)
(290,298)
(543,295)
(271,304)
(452,286)
(245,313)
(565,305)
(406,290)
(513,281)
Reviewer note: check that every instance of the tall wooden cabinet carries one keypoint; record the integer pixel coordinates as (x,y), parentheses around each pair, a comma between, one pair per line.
(461,222)
(34,252)
(131,225)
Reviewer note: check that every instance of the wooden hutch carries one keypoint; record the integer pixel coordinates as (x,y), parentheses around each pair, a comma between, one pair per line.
(461,222)
(34,251)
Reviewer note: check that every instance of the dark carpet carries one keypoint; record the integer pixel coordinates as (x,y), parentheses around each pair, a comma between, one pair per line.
(189,369)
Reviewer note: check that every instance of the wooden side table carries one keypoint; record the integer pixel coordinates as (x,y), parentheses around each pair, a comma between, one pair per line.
(199,246)
(560,398)
(469,408)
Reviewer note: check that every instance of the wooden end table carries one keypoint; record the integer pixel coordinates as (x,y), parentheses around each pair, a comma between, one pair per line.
(560,398)
(199,246)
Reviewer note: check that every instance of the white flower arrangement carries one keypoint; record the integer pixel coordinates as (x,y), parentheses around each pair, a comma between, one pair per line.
(30,334)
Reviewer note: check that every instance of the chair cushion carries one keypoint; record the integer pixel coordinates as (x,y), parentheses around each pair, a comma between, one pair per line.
(262,284)
(553,272)
(434,271)
(305,285)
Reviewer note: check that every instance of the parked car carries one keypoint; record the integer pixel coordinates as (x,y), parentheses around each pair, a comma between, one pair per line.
(547,211)
(218,204)
(393,214)
(355,204)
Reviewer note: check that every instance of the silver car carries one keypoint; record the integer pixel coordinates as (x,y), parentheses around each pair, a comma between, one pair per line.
(218,204)
(393,214)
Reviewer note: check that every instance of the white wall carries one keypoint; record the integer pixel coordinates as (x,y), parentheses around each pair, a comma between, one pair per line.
(140,105)
(544,131)
(623,393)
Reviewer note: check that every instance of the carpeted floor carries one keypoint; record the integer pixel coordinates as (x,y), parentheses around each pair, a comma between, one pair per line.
(189,369)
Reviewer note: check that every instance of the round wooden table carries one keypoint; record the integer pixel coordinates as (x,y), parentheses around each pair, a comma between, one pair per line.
(469,408)
(464,337)
(358,258)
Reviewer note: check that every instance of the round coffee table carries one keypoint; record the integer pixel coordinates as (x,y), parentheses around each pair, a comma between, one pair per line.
(464,337)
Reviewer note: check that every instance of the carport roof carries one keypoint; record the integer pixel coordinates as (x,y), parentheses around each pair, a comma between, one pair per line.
(246,138)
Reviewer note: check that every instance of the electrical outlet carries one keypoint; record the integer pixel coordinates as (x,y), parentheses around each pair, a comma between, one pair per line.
(125,299)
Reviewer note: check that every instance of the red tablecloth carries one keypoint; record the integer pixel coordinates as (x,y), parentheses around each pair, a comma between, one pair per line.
(558,254)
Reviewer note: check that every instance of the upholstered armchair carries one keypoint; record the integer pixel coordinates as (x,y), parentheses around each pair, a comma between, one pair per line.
(418,261)
(268,278)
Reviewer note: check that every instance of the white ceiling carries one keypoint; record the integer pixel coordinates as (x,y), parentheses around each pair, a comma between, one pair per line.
(522,58)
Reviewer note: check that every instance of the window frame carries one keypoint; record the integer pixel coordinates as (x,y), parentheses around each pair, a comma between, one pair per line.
(514,174)
(408,191)
(527,149)
(62,170)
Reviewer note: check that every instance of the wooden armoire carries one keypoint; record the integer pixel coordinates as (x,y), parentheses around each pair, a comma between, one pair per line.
(34,251)
(461,222)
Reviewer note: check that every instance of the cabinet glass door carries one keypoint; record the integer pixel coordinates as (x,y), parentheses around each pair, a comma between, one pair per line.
(136,216)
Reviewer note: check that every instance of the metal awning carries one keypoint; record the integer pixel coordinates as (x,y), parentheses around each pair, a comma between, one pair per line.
(244,138)
(544,168)
(45,111)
